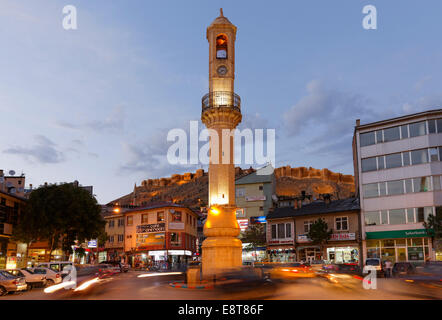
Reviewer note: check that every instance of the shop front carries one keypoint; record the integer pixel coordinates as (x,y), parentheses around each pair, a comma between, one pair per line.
(342,254)
(250,254)
(399,246)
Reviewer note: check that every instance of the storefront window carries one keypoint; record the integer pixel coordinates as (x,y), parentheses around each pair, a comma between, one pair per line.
(389,254)
(387,243)
(373,243)
(401,254)
(401,242)
(415,254)
(414,242)
(373,252)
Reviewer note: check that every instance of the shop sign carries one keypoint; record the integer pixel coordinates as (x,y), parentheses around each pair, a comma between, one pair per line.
(243,224)
(342,236)
(240,212)
(150,239)
(255,220)
(418,233)
(92,244)
(145,228)
(303,238)
(281,242)
(256,198)
(176,225)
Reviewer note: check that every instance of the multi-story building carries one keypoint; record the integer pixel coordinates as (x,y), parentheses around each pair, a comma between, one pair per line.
(254,196)
(114,246)
(288,227)
(159,233)
(398,172)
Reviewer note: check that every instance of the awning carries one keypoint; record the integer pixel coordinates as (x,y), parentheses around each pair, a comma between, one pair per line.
(308,247)
(417,233)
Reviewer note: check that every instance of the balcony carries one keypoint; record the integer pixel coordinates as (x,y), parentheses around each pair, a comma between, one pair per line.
(221,99)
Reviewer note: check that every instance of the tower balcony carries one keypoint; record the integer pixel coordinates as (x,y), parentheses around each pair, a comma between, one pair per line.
(221,99)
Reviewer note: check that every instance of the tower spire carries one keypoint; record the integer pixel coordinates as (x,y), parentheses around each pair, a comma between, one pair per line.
(221,12)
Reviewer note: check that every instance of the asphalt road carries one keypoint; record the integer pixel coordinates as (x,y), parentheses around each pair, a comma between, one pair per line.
(128,286)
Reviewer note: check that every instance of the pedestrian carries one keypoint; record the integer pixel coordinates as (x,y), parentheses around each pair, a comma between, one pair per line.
(388,268)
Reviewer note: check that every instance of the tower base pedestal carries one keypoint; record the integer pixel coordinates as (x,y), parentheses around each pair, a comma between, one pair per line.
(220,254)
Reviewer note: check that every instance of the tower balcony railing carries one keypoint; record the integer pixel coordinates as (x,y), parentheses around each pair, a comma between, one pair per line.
(217,99)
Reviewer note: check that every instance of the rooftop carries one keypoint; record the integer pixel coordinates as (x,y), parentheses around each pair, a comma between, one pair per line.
(262,175)
(315,208)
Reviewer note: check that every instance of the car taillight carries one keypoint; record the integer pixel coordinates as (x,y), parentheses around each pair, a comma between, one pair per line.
(99,270)
(15,282)
(57,275)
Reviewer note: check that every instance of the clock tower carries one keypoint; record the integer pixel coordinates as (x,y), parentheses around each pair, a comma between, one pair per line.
(221,113)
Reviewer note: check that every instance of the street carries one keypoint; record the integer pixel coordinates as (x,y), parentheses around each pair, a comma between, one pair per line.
(128,286)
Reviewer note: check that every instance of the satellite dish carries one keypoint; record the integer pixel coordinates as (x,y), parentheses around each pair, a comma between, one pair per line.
(11,172)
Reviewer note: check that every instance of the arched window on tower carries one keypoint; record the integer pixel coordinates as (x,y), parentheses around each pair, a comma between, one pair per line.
(221,46)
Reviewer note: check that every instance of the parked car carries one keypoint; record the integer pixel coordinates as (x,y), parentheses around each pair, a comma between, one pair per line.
(10,283)
(122,266)
(377,263)
(403,268)
(56,266)
(52,277)
(32,280)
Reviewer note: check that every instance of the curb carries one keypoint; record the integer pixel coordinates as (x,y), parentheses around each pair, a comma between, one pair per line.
(182,285)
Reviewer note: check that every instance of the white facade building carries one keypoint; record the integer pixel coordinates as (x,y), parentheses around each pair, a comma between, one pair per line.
(398,172)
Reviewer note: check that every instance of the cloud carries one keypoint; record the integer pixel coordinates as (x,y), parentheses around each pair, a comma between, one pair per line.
(113,123)
(45,151)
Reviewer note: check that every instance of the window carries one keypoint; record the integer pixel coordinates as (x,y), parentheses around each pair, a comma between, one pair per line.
(120,238)
(221,46)
(111,223)
(381,163)
(393,160)
(436,183)
(342,223)
(440,152)
(406,157)
(129,220)
(372,218)
(395,187)
(371,190)
(419,156)
(261,208)
(307,225)
(417,129)
(175,239)
(397,216)
(384,217)
(421,184)
(439,125)
(420,214)
(433,154)
(431,126)
(382,189)
(176,217)
(410,215)
(145,218)
(121,222)
(274,231)
(111,238)
(408,185)
(379,138)
(404,132)
(367,139)
(427,212)
(369,164)
(281,231)
(240,192)
(288,230)
(160,216)
(391,134)
(260,187)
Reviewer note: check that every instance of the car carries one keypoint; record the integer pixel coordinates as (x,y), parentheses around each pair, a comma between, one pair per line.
(57,266)
(32,280)
(428,275)
(105,270)
(290,271)
(403,268)
(377,263)
(52,277)
(11,284)
(122,266)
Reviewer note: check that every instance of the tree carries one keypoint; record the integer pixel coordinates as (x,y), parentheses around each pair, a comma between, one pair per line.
(255,236)
(319,233)
(433,226)
(61,214)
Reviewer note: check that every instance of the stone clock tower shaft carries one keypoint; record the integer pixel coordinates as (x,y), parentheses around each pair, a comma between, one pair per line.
(221,113)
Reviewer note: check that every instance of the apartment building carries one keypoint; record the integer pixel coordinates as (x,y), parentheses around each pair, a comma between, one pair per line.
(398,173)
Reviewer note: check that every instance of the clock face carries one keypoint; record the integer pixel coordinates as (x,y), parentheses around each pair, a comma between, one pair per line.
(222,70)
(221,54)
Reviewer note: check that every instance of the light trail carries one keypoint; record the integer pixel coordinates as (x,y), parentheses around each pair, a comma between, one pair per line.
(158,274)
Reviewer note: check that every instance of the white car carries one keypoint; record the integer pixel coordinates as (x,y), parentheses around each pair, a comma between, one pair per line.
(52,277)
(56,266)
(32,280)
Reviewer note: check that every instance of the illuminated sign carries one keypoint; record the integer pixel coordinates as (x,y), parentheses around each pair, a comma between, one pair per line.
(145,228)
(150,239)
(176,225)
(342,236)
(256,198)
(243,224)
(92,244)
(261,219)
